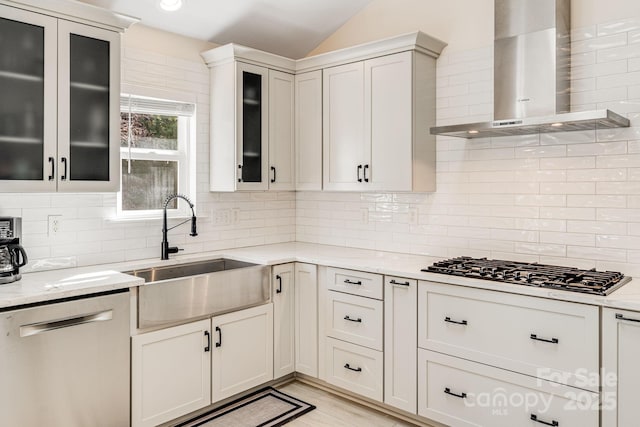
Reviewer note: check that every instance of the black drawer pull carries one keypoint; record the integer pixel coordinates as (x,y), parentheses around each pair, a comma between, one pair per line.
(273,169)
(359,169)
(52,161)
(358,320)
(208,335)
(628,319)
(349,282)
(449,392)
(279,279)
(365,173)
(552,340)
(393,282)
(219,331)
(64,174)
(553,423)
(352,369)
(462,322)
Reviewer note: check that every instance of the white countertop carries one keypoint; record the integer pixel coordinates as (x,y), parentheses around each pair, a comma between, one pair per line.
(57,284)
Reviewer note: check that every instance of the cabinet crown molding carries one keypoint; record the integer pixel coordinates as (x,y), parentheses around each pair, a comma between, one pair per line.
(417,41)
(237,52)
(76,12)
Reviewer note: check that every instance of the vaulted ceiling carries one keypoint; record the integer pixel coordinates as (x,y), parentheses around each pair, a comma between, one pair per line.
(290,28)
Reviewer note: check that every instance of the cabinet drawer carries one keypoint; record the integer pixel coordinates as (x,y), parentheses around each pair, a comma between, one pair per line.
(550,339)
(354,319)
(458,392)
(354,368)
(355,282)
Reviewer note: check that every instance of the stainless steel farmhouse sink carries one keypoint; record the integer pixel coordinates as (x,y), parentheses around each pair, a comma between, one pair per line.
(179,292)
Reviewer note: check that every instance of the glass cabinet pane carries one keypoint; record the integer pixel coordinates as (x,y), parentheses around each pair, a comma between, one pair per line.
(251,127)
(89,109)
(21,100)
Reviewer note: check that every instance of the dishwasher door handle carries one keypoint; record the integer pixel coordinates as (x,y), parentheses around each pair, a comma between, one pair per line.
(39,328)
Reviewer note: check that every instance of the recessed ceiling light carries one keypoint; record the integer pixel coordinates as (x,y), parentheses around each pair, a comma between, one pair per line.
(557,124)
(171,5)
(473,131)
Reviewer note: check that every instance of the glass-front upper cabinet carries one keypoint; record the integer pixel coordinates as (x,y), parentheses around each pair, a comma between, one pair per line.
(253,120)
(59,104)
(28,101)
(88,108)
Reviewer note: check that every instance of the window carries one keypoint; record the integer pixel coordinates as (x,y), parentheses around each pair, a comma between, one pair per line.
(155,146)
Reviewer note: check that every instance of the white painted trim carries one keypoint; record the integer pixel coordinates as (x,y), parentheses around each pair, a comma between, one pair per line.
(236,52)
(417,41)
(77,12)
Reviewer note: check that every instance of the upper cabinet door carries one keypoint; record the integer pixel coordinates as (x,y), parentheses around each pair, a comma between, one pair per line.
(281,131)
(343,127)
(252,126)
(88,108)
(388,122)
(27,104)
(309,131)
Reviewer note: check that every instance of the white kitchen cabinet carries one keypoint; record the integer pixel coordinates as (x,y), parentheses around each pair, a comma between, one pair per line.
(60,81)
(242,350)
(281,131)
(621,372)
(306,319)
(239,127)
(549,339)
(252,120)
(376,117)
(170,373)
(354,368)
(252,92)
(282,281)
(401,343)
(462,393)
(88,108)
(354,319)
(308,131)
(344,145)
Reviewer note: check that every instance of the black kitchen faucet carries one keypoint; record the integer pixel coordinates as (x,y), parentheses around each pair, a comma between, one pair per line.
(165,249)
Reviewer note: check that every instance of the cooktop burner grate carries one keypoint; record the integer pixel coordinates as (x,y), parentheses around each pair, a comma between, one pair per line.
(532,274)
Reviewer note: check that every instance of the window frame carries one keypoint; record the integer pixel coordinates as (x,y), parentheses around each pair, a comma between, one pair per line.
(184,156)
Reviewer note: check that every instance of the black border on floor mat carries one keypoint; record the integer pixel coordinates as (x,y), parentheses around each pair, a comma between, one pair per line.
(248,396)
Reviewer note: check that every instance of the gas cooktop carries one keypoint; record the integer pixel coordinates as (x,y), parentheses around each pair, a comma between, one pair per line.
(532,274)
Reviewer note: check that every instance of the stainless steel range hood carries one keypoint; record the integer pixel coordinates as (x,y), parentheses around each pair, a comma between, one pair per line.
(532,66)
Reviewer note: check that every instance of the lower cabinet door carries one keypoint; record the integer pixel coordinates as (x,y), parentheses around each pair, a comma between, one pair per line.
(620,368)
(355,368)
(242,350)
(460,393)
(170,373)
(306,319)
(282,281)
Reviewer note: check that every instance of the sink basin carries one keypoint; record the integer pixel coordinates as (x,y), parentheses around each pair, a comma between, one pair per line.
(177,293)
(156,274)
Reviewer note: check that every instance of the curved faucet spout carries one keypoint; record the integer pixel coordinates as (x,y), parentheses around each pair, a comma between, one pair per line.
(165,249)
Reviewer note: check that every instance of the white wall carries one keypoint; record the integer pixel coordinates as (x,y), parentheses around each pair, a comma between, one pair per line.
(89,235)
(463,24)
(567,198)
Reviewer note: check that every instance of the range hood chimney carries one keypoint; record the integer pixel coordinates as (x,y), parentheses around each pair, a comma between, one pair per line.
(532,75)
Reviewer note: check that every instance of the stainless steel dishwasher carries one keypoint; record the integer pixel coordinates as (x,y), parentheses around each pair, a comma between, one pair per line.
(66,364)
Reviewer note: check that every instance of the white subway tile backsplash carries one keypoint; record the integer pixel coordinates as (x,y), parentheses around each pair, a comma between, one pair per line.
(618,26)
(575,239)
(597,227)
(597,43)
(568,188)
(597,175)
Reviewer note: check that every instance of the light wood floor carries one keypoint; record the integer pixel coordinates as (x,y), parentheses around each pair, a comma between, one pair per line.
(333,411)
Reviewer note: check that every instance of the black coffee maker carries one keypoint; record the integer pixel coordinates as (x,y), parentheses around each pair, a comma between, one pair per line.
(12,255)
